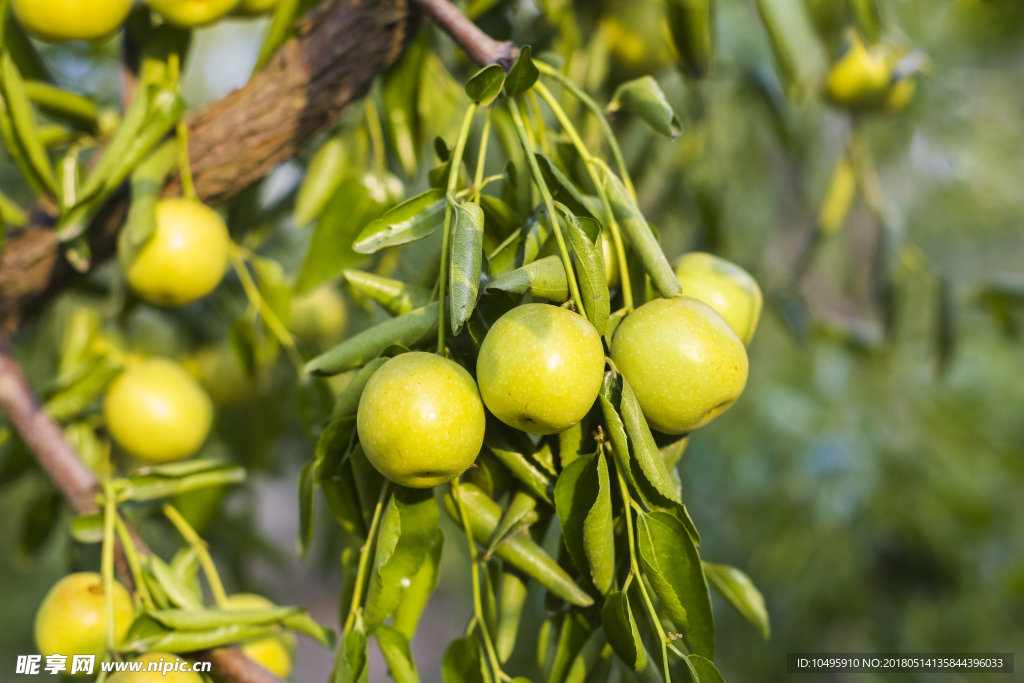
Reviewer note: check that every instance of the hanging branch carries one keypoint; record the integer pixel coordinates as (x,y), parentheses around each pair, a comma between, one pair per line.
(480,47)
(79,485)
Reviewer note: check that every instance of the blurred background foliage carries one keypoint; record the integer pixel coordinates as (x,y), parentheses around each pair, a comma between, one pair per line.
(869,480)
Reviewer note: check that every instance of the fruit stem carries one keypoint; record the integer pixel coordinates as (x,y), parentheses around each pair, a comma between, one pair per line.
(589,161)
(376,132)
(202,552)
(629,503)
(598,113)
(130,554)
(252,292)
(188,183)
(549,203)
(364,558)
(107,560)
(446,237)
(481,159)
(478,610)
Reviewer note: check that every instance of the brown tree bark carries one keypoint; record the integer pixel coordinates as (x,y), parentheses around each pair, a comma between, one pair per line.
(341,47)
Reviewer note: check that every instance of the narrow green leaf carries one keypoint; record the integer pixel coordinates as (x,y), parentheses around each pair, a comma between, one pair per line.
(645,245)
(395,648)
(151,487)
(409,330)
(576,630)
(562,188)
(522,75)
(394,296)
(280,29)
(324,174)
(307,505)
(463,662)
(588,248)
(348,401)
(411,220)
(520,513)
(88,528)
(642,445)
(148,181)
(421,586)
(510,612)
(24,120)
(706,669)
(583,503)
(740,592)
(544,278)
(644,97)
(485,86)
(408,531)
(306,625)
(10,213)
(691,23)
(400,94)
(624,636)
(516,453)
(63,104)
(190,641)
(172,586)
(587,664)
(352,662)
(671,563)
(466,262)
(206,619)
(799,56)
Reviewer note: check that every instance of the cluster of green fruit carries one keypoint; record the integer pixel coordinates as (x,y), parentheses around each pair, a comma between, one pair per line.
(56,21)
(72,620)
(540,368)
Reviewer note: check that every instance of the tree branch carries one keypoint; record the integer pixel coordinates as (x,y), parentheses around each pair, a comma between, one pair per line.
(79,485)
(341,47)
(480,47)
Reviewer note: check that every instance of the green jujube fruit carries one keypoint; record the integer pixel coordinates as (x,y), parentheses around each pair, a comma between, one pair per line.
(725,287)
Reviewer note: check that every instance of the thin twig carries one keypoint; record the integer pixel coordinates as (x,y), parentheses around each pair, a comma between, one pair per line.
(480,47)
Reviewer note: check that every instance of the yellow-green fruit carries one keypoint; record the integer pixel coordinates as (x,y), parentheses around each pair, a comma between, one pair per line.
(684,363)
(157,411)
(319,318)
(540,368)
(72,619)
(860,78)
(192,13)
(54,21)
(157,675)
(250,8)
(273,654)
(725,287)
(420,420)
(185,258)
(900,94)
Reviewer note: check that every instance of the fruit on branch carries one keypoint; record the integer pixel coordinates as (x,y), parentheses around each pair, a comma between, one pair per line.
(54,21)
(251,8)
(685,364)
(420,420)
(192,13)
(158,675)
(319,318)
(725,287)
(273,654)
(860,77)
(184,259)
(72,619)
(540,368)
(157,411)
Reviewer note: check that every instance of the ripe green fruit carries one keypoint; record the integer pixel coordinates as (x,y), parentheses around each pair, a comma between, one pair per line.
(157,675)
(192,13)
(54,21)
(685,364)
(319,318)
(725,287)
(275,653)
(540,368)
(186,256)
(72,617)
(157,411)
(252,8)
(420,420)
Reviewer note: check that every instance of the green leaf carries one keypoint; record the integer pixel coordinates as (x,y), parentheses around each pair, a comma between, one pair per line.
(394,296)
(671,563)
(172,585)
(306,625)
(576,629)
(538,232)
(520,514)
(337,478)
(522,75)
(562,188)
(324,174)
(88,528)
(485,86)
(307,505)
(544,278)
(408,531)
(352,206)
(205,619)
(409,330)
(588,248)
(463,662)
(148,183)
(347,404)
(799,56)
(411,220)
(515,451)
(691,23)
(510,611)
(177,642)
(645,98)
(583,504)
(500,219)
(400,95)
(421,586)
(588,662)
(151,486)
(645,245)
(740,592)
(352,662)
(706,670)
(395,648)
(624,636)
(466,262)
(24,122)
(642,446)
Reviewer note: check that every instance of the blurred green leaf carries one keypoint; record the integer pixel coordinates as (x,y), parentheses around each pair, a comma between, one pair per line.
(522,75)
(485,86)
(645,98)
(740,592)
